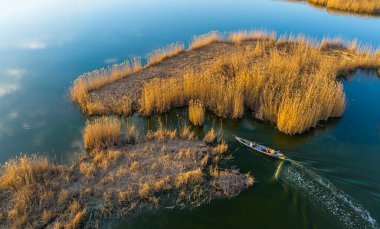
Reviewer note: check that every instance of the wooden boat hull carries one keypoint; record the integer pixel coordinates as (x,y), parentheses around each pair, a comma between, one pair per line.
(261,149)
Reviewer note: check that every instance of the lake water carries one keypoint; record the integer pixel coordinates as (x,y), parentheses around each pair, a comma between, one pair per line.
(331,179)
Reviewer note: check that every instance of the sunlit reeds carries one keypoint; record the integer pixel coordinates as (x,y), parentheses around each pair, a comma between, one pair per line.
(362,6)
(245,35)
(161,54)
(93,80)
(100,132)
(205,39)
(196,112)
(294,89)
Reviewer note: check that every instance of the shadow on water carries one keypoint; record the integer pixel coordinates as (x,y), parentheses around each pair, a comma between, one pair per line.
(323,194)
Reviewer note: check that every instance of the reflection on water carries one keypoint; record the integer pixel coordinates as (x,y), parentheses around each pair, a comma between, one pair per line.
(45,46)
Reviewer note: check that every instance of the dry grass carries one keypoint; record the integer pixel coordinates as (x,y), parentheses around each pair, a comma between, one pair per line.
(210,136)
(122,106)
(186,133)
(30,184)
(113,182)
(362,6)
(159,55)
(98,78)
(291,82)
(196,112)
(221,148)
(101,132)
(240,36)
(204,39)
(189,178)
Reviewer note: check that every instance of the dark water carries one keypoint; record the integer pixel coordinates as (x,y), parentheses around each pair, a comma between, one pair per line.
(332,177)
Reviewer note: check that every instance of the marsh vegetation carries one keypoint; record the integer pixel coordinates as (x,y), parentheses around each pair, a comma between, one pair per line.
(291,81)
(116,178)
(354,6)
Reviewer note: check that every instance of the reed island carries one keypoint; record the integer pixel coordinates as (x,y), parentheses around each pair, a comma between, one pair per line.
(290,81)
(122,173)
(367,7)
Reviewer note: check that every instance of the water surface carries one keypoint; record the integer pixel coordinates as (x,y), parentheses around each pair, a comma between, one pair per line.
(331,180)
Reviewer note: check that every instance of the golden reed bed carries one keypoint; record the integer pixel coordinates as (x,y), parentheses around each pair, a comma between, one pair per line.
(370,7)
(117,177)
(290,81)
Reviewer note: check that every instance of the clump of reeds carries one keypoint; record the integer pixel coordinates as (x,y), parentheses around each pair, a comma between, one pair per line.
(101,132)
(98,78)
(240,36)
(159,55)
(221,148)
(205,39)
(30,184)
(210,136)
(294,89)
(196,112)
(188,178)
(363,6)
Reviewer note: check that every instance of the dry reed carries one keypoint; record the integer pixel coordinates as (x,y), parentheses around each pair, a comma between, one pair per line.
(196,112)
(362,6)
(294,89)
(93,80)
(205,39)
(210,136)
(240,36)
(159,55)
(101,132)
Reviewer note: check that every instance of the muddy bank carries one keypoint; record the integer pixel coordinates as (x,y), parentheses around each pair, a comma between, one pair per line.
(165,169)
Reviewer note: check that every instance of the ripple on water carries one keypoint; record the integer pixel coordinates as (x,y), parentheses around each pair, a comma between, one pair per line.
(324,194)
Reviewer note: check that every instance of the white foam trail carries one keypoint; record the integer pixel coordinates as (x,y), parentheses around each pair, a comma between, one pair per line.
(325,194)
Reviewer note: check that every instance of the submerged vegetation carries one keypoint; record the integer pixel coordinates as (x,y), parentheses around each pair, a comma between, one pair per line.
(290,81)
(113,181)
(354,6)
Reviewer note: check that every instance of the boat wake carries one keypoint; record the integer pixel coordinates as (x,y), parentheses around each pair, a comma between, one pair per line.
(323,193)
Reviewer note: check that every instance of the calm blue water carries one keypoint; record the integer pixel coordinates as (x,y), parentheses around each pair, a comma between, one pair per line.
(333,178)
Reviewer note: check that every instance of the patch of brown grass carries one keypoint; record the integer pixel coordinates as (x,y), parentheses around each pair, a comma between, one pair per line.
(159,55)
(98,78)
(101,132)
(112,182)
(362,6)
(196,112)
(204,39)
(29,184)
(221,148)
(187,133)
(188,178)
(240,36)
(210,136)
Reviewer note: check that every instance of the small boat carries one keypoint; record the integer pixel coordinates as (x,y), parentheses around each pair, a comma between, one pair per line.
(261,149)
